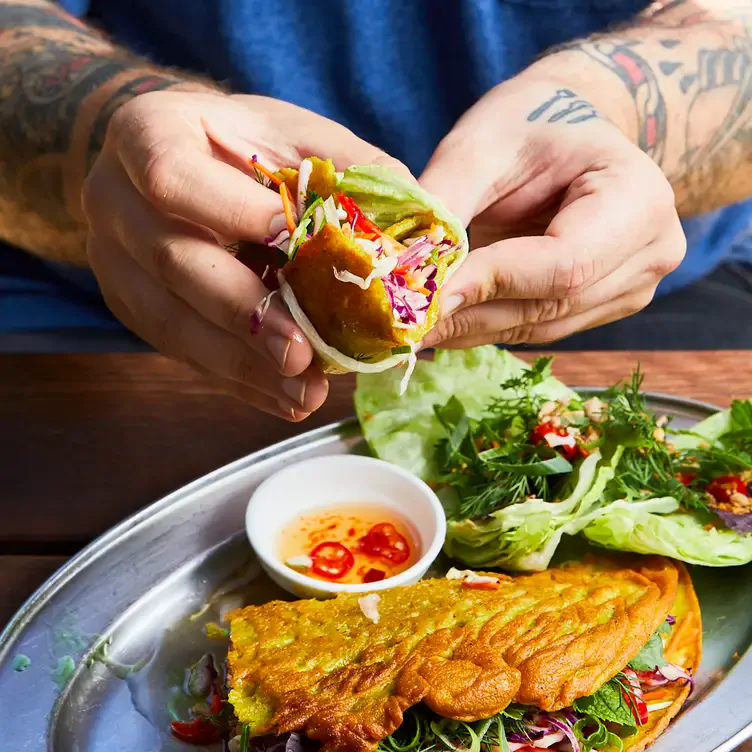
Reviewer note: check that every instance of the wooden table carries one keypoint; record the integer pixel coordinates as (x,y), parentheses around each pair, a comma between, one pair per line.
(87,439)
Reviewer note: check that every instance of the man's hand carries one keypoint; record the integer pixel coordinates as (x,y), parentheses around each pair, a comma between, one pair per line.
(573,226)
(171,183)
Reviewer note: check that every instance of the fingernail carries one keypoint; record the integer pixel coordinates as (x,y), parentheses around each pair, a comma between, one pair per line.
(286,408)
(279,347)
(296,389)
(451,304)
(290,413)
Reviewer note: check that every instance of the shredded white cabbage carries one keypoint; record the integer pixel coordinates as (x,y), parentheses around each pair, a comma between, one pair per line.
(369,605)
(227,604)
(330,211)
(304,175)
(467,575)
(369,246)
(300,562)
(381,267)
(412,359)
(659,706)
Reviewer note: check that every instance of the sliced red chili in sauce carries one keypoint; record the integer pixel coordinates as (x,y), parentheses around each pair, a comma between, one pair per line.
(384,542)
(332,560)
(374,575)
(722,488)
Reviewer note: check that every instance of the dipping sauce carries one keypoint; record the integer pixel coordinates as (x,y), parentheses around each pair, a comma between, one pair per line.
(350,543)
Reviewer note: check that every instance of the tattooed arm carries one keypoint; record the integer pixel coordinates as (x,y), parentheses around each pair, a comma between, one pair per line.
(685,68)
(60,82)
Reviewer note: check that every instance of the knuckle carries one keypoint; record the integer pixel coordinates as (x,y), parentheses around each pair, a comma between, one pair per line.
(167,257)
(460,324)
(517,335)
(570,276)
(670,257)
(159,175)
(547,309)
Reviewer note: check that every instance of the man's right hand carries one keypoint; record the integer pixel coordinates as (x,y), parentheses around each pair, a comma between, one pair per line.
(161,196)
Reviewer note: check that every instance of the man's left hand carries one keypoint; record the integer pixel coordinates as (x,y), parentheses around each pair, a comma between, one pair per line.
(572,225)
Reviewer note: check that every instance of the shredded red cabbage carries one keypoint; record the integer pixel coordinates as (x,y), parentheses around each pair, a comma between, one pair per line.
(739,523)
(562,725)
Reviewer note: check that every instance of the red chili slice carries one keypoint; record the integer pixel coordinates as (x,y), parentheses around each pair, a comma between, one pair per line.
(634,699)
(198,731)
(723,487)
(332,560)
(374,575)
(384,542)
(685,478)
(356,216)
(539,433)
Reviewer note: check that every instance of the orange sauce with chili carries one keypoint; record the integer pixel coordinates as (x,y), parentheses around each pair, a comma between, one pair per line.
(347,524)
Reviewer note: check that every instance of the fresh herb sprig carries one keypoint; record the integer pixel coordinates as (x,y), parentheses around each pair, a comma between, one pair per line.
(422,730)
(490,462)
(649,467)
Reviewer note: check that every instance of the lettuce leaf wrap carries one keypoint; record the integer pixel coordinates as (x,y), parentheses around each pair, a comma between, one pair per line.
(406,429)
(365,255)
(663,526)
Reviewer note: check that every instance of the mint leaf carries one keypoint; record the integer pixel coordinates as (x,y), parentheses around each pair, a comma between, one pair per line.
(607,704)
(453,418)
(651,656)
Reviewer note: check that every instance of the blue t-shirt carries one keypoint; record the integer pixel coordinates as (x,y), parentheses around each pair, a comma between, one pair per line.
(399,73)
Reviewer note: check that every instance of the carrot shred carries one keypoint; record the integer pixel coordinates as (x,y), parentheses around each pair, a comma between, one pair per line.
(657,694)
(268,173)
(481,585)
(284,192)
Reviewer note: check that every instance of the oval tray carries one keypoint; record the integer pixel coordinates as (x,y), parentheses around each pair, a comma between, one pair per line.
(135,587)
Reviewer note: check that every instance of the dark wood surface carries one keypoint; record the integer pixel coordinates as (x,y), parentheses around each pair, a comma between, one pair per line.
(86,440)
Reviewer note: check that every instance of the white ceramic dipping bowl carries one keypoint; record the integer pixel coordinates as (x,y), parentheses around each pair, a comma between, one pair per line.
(346,479)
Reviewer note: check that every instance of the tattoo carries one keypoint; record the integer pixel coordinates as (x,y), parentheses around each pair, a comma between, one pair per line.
(59,85)
(619,56)
(701,62)
(564,105)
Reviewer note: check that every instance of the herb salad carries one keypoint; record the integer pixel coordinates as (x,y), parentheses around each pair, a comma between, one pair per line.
(519,461)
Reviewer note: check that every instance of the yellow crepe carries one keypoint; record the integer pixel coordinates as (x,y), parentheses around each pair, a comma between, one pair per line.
(545,639)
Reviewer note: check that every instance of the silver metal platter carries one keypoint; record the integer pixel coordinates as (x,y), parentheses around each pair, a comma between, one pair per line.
(138,584)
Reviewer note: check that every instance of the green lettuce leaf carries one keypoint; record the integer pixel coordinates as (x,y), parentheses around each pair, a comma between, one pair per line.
(387,198)
(660,526)
(404,429)
(524,537)
(657,526)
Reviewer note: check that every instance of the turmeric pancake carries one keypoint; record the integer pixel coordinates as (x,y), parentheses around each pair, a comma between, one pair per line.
(465,648)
